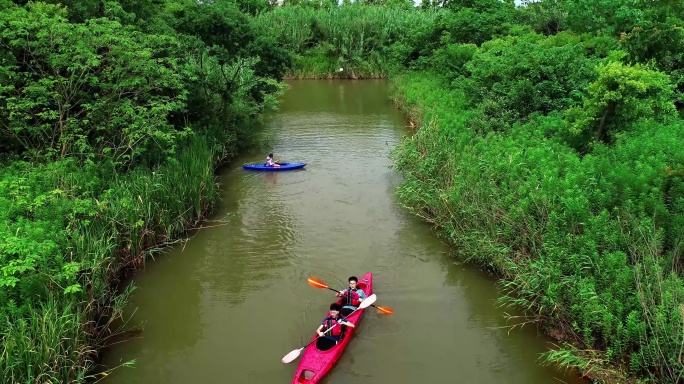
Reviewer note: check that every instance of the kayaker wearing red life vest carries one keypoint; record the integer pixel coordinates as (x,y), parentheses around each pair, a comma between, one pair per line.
(351,297)
(332,321)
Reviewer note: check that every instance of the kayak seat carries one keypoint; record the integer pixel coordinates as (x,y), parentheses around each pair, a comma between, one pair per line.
(324,344)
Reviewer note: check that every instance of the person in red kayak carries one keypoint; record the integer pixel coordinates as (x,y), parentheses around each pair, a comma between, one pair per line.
(334,321)
(351,297)
(270,162)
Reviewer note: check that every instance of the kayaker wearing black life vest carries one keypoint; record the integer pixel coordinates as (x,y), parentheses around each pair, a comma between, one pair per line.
(331,321)
(350,298)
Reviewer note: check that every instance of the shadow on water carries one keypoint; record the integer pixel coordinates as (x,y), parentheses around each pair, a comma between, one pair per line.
(259,233)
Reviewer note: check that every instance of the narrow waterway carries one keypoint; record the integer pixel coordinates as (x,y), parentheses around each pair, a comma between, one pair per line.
(226,306)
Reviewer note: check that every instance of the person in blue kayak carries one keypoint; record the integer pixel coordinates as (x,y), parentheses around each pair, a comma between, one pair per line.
(336,322)
(270,162)
(351,297)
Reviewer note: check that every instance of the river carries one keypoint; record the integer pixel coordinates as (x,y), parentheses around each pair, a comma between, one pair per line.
(226,306)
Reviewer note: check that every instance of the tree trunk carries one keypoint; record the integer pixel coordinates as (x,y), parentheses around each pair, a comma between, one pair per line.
(605,119)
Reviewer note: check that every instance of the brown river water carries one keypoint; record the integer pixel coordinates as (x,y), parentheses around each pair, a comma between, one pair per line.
(226,306)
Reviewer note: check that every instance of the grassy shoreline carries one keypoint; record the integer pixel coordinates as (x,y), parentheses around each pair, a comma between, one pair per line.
(109,229)
(414,111)
(548,150)
(113,120)
(472,220)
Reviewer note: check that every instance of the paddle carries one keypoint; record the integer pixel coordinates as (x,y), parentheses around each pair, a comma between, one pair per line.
(317,283)
(279,162)
(294,354)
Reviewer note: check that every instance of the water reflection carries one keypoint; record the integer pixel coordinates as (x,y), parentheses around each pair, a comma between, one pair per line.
(478,293)
(171,334)
(259,232)
(341,98)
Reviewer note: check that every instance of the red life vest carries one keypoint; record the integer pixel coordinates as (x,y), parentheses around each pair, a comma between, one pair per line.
(328,323)
(351,298)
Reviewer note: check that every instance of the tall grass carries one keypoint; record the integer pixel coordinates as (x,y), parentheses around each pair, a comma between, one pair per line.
(355,37)
(89,203)
(110,225)
(589,246)
(43,347)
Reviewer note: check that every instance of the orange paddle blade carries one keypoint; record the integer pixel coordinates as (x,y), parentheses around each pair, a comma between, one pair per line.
(385,310)
(316,283)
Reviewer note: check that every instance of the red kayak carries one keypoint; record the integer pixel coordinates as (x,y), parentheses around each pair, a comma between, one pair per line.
(316,362)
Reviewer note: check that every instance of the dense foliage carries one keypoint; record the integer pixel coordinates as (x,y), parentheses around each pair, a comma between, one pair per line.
(113,116)
(551,153)
(549,149)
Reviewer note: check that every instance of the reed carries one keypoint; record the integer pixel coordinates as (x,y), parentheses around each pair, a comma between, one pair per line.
(581,247)
(101,227)
(355,37)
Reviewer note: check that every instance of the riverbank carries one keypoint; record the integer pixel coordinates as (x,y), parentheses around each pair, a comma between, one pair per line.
(108,225)
(278,229)
(491,197)
(550,153)
(114,121)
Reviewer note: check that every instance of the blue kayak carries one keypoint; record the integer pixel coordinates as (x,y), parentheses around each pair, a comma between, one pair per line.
(283,167)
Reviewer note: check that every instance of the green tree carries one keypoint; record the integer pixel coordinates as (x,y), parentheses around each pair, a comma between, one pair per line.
(663,44)
(621,96)
(545,16)
(610,16)
(514,77)
(93,90)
